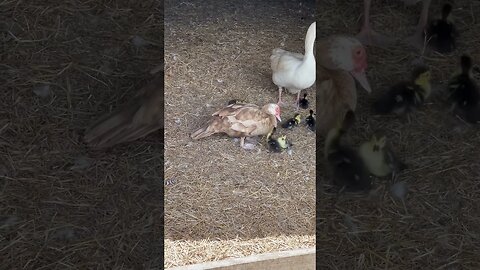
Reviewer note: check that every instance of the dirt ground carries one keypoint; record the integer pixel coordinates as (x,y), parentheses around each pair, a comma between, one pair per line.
(437,225)
(62,205)
(220,193)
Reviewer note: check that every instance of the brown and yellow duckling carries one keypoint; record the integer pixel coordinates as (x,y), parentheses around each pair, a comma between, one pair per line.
(406,96)
(292,122)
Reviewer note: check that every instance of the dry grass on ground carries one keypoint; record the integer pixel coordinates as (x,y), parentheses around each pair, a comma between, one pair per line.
(216,52)
(438,224)
(63,206)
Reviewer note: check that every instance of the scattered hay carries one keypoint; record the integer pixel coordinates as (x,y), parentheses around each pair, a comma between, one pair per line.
(216,52)
(436,226)
(63,206)
(185,252)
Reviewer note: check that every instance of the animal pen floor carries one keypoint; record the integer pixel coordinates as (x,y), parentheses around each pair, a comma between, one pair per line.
(437,226)
(225,201)
(62,205)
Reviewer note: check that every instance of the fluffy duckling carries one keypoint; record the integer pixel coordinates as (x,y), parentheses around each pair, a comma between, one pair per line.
(294,71)
(442,32)
(464,92)
(303,103)
(310,121)
(379,157)
(278,144)
(405,96)
(349,170)
(241,120)
(292,122)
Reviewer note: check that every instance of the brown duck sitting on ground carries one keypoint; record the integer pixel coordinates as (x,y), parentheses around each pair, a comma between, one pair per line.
(241,120)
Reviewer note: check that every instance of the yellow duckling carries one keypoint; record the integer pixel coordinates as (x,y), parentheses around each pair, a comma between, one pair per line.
(379,158)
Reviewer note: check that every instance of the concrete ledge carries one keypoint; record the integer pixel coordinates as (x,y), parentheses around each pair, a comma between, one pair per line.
(283,260)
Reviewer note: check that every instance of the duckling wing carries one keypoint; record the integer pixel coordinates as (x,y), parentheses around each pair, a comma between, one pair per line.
(141,117)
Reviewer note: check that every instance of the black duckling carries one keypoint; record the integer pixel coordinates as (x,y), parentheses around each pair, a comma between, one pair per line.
(379,157)
(292,122)
(303,102)
(278,144)
(405,96)
(310,121)
(464,92)
(349,171)
(442,32)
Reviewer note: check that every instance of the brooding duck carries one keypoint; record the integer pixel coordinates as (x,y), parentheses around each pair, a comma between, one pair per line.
(442,32)
(464,92)
(406,96)
(349,170)
(340,58)
(379,157)
(241,120)
(142,116)
(294,71)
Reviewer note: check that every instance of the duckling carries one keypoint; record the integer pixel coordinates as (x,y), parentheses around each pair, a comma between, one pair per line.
(303,103)
(442,32)
(279,144)
(349,171)
(405,96)
(292,122)
(379,158)
(464,92)
(310,121)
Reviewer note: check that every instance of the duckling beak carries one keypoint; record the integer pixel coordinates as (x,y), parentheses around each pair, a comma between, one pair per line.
(361,77)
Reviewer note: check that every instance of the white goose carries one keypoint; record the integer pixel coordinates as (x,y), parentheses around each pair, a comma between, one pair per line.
(294,71)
